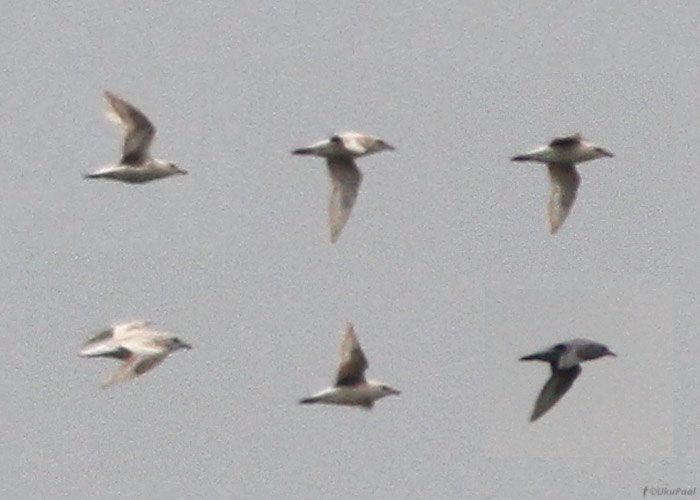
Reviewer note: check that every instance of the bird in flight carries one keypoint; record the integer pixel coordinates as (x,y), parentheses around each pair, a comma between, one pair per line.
(561,156)
(139,347)
(340,152)
(136,165)
(351,388)
(564,360)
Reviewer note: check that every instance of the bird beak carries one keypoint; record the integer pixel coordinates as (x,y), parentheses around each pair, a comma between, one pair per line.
(610,353)
(182,171)
(185,346)
(395,392)
(605,152)
(389,147)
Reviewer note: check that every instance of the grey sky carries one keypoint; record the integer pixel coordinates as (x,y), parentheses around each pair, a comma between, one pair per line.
(446,266)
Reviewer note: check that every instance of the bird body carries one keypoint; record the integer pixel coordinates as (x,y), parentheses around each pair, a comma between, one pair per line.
(354,395)
(149,171)
(569,149)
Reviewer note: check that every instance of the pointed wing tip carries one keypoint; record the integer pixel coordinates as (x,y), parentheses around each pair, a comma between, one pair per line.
(107,383)
(336,228)
(337,220)
(556,221)
(538,412)
(111,99)
(350,338)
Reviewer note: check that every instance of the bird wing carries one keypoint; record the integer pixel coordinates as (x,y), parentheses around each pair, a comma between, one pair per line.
(559,382)
(103,344)
(135,365)
(566,142)
(125,330)
(346,178)
(147,363)
(139,131)
(104,335)
(564,180)
(353,362)
(106,348)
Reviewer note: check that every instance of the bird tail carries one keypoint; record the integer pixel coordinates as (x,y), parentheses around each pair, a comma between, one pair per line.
(303,151)
(308,401)
(538,356)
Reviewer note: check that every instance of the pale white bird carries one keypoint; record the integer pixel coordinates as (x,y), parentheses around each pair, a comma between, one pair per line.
(564,360)
(351,388)
(136,165)
(340,152)
(561,156)
(139,347)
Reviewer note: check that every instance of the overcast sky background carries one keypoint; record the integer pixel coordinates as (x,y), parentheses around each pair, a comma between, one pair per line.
(446,266)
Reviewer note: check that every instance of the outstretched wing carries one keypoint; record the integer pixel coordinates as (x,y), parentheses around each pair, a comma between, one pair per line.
(353,362)
(133,367)
(564,180)
(138,129)
(557,385)
(346,179)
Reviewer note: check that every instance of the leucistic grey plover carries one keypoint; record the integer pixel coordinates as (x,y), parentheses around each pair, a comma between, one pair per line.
(340,152)
(351,388)
(561,156)
(136,165)
(563,359)
(139,347)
